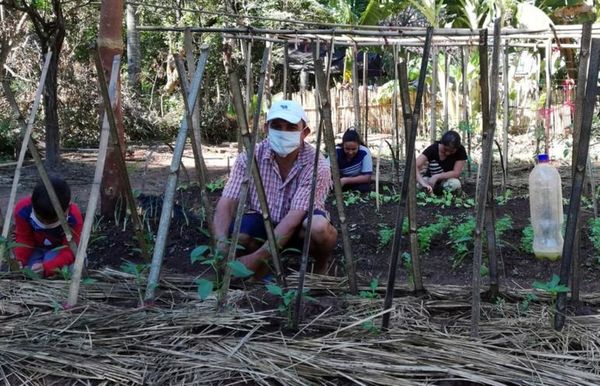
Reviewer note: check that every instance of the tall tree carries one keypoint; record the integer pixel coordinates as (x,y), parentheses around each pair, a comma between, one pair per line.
(134,59)
(49,25)
(110,43)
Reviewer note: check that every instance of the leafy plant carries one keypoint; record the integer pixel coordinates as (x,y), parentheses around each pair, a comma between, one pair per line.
(551,287)
(527,239)
(594,234)
(525,303)
(206,255)
(386,234)
(352,197)
(372,292)
(287,298)
(407,263)
(461,236)
(503,198)
(426,233)
(446,200)
(215,185)
(502,225)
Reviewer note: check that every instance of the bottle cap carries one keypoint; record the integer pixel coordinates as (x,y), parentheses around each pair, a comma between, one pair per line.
(543,158)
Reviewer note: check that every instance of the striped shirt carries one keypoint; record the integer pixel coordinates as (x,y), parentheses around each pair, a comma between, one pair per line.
(437,166)
(360,164)
(282,196)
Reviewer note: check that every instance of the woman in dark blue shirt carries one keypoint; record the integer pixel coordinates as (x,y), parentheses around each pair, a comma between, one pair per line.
(355,162)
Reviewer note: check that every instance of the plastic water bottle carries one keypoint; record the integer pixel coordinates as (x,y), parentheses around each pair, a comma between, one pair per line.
(545,201)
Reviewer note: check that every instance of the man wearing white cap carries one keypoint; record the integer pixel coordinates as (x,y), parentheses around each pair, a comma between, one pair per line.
(285,163)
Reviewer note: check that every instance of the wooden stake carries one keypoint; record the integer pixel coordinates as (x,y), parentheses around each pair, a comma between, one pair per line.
(171,184)
(95,189)
(465,101)
(412,184)
(389,294)
(355,89)
(366,94)
(446,92)
(584,56)
(433,97)
(486,163)
(395,120)
(286,64)
(337,185)
(505,117)
(196,138)
(591,92)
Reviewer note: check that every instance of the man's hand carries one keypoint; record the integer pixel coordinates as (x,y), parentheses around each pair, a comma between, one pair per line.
(252,261)
(38,268)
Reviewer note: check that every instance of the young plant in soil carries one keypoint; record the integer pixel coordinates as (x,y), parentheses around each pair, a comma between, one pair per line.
(427,233)
(215,185)
(553,288)
(386,233)
(527,239)
(213,258)
(446,200)
(594,234)
(503,198)
(139,272)
(287,299)
(372,295)
(407,264)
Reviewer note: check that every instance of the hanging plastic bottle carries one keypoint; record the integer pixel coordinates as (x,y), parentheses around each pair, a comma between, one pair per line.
(545,201)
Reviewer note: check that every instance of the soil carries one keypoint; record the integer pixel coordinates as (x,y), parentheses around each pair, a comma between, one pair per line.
(112,243)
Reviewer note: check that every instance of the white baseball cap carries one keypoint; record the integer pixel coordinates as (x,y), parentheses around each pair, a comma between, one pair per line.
(287,110)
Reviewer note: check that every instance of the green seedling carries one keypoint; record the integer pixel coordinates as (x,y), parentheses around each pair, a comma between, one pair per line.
(551,287)
(502,225)
(206,255)
(594,234)
(408,265)
(139,272)
(461,236)
(215,185)
(386,234)
(527,239)
(372,292)
(524,305)
(352,198)
(427,233)
(287,299)
(503,198)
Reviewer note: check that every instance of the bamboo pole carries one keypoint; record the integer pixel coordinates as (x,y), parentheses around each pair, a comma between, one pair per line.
(465,106)
(446,92)
(95,189)
(486,163)
(389,294)
(505,117)
(196,138)
(548,104)
(324,99)
(251,171)
(195,134)
(316,94)
(171,184)
(337,187)
(591,92)
(286,64)
(395,120)
(412,184)
(584,56)
(433,97)
(355,89)
(366,94)
(249,90)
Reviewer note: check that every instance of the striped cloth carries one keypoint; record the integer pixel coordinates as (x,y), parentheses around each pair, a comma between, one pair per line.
(282,196)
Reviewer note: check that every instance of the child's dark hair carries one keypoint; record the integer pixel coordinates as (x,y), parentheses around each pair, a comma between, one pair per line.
(351,135)
(451,139)
(40,199)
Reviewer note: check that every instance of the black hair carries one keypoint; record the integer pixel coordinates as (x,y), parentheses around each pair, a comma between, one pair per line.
(40,199)
(451,139)
(351,135)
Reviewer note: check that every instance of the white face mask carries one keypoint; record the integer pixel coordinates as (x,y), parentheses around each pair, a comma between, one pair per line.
(284,142)
(40,224)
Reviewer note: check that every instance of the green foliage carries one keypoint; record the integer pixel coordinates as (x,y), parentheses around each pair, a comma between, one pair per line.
(426,234)
(287,299)
(502,225)
(137,270)
(386,234)
(215,185)
(461,236)
(527,239)
(594,234)
(525,303)
(206,255)
(503,198)
(372,292)
(446,200)
(8,139)
(551,287)
(408,265)
(352,197)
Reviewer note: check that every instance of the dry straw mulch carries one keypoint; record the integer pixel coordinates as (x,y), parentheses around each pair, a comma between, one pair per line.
(108,340)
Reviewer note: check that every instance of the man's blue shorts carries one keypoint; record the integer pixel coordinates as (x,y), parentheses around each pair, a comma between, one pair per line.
(253,225)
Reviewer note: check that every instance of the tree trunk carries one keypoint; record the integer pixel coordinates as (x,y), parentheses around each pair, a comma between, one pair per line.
(109,45)
(133,49)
